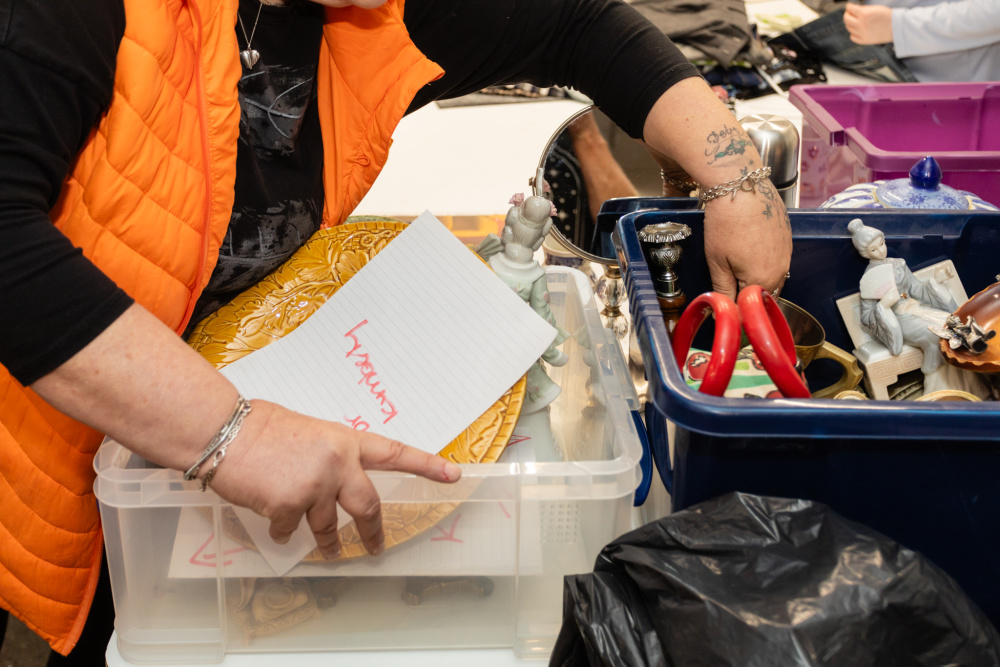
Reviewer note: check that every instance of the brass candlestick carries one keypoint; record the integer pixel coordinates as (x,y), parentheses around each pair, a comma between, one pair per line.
(662,242)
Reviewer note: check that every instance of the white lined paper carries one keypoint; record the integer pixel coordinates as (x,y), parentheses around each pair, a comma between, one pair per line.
(444,336)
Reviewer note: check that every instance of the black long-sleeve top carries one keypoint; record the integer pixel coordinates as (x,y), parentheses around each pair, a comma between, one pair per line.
(57,61)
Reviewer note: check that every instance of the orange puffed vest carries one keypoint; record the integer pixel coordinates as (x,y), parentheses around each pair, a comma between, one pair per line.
(148,200)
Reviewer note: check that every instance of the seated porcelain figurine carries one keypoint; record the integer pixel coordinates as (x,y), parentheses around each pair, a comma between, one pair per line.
(898,308)
(512,258)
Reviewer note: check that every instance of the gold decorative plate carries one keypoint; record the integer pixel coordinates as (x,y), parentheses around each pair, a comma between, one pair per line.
(282,301)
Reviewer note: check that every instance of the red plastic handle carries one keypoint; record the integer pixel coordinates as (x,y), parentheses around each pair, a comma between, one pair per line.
(771,339)
(725,346)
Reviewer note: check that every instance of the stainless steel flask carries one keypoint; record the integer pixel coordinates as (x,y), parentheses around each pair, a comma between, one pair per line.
(777,141)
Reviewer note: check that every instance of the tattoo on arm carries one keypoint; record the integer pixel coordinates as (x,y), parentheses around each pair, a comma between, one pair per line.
(773,202)
(771,195)
(725,143)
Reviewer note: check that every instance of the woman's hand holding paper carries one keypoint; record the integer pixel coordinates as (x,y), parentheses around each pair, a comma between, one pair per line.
(143,386)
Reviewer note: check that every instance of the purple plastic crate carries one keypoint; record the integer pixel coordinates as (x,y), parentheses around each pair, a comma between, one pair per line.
(859,134)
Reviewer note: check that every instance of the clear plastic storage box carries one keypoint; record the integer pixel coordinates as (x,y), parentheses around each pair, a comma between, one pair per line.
(860,134)
(188,588)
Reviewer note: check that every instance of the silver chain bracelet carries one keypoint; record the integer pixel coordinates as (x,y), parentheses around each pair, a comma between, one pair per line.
(216,449)
(683,186)
(746,183)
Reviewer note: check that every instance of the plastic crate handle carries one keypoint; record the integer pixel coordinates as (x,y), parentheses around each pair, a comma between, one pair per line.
(645,462)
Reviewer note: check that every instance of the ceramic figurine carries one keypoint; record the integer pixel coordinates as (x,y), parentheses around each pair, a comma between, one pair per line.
(512,258)
(898,308)
(923,189)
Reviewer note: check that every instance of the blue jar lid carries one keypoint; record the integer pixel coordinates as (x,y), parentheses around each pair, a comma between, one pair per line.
(922,189)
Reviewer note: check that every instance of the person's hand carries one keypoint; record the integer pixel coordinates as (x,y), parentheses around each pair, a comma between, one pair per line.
(944,273)
(748,240)
(284,465)
(868,24)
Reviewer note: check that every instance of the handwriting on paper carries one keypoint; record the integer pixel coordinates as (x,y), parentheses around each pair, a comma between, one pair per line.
(203,558)
(368,374)
(448,535)
(398,350)
(357,423)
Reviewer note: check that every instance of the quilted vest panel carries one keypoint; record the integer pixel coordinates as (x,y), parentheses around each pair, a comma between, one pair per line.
(148,200)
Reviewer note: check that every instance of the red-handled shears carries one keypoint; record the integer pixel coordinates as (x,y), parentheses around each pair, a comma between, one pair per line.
(760,316)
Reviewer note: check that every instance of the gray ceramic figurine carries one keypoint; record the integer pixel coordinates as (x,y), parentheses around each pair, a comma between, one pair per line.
(512,258)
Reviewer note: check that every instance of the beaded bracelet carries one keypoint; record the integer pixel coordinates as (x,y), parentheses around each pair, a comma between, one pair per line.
(216,449)
(745,183)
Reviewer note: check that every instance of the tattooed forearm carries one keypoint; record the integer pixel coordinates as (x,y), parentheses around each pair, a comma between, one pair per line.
(773,202)
(726,142)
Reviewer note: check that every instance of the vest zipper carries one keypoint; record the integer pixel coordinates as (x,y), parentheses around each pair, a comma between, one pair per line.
(206,158)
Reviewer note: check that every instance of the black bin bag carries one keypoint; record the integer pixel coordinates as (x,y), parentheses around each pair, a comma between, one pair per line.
(747,581)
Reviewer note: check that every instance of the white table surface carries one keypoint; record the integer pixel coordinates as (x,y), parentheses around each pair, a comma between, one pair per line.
(464,160)
(469,161)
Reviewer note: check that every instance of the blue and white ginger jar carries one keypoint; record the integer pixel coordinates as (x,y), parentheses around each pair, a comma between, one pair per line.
(923,189)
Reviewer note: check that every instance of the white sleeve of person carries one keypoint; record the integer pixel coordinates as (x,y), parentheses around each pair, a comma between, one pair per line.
(944,27)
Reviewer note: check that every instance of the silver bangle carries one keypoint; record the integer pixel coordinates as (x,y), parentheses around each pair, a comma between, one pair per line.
(216,449)
(746,183)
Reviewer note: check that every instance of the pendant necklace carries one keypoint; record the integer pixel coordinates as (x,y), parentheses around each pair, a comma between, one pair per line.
(249,55)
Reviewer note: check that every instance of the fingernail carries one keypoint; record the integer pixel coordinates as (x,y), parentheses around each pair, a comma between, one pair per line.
(379,548)
(332,554)
(451,472)
(282,540)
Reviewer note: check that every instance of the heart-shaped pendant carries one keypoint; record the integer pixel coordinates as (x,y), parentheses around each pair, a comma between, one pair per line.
(249,57)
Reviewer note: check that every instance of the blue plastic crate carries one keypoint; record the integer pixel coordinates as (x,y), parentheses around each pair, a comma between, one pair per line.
(925,474)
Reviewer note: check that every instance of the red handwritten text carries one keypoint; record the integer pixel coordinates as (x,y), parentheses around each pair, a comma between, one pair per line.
(449,535)
(357,423)
(206,559)
(368,374)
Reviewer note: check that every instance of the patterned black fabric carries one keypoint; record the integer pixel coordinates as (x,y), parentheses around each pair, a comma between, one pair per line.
(279,163)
